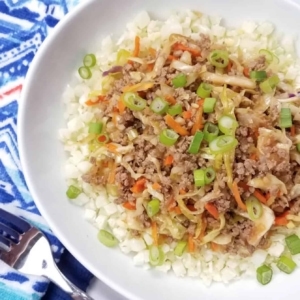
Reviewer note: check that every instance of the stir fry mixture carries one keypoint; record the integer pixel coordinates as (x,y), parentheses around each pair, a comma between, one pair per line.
(199,145)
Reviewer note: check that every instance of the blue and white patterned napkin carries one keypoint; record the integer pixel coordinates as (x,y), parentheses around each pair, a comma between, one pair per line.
(24,24)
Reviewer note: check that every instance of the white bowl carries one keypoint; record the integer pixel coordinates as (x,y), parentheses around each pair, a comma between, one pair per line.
(41,115)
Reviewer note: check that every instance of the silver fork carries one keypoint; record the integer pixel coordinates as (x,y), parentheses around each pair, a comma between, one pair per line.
(26,249)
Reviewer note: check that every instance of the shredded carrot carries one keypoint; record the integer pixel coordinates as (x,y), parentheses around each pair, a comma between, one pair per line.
(182,192)
(214,247)
(121,106)
(168,160)
(237,196)
(156,186)
(229,66)
(177,210)
(150,67)
(293,130)
(193,51)
(187,114)
(136,50)
(253,156)
(246,72)
(256,133)
(282,220)
(191,244)
(171,57)
(203,229)
(139,186)
(212,210)
(191,207)
(130,206)
(112,174)
(152,51)
(111,147)
(260,196)
(114,118)
(100,98)
(154,233)
(175,126)
(171,204)
(244,186)
(170,99)
(198,120)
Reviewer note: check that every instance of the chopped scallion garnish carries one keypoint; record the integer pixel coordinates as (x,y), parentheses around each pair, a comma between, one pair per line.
(209,105)
(159,106)
(89,60)
(211,131)
(85,73)
(264,274)
(73,192)
(219,58)
(133,101)
(168,137)
(156,256)
(293,244)
(196,143)
(258,75)
(204,90)
(180,248)
(222,144)
(96,127)
(210,175)
(254,208)
(269,84)
(179,81)
(227,125)
(199,177)
(107,239)
(175,109)
(286,264)
(153,207)
(285,118)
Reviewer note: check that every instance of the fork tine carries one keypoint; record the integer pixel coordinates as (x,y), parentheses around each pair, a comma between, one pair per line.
(17,223)
(5,230)
(5,244)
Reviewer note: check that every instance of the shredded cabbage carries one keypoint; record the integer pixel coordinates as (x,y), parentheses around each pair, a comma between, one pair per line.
(214,233)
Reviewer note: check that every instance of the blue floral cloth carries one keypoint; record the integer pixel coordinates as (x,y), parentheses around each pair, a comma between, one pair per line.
(24,24)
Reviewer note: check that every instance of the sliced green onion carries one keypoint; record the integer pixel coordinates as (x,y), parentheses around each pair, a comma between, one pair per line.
(73,192)
(159,106)
(219,58)
(180,248)
(196,143)
(254,208)
(286,264)
(199,177)
(298,147)
(102,139)
(258,75)
(175,109)
(153,207)
(204,90)
(285,118)
(168,137)
(264,274)
(270,57)
(210,175)
(89,60)
(222,144)
(133,101)
(227,125)
(85,73)
(211,131)
(209,105)
(268,85)
(107,239)
(156,256)
(293,243)
(179,81)
(95,127)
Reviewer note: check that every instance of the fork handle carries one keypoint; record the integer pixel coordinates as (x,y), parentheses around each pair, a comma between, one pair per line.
(77,294)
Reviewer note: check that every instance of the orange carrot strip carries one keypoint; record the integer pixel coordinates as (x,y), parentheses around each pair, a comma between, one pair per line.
(187,114)
(253,156)
(114,118)
(191,244)
(150,67)
(175,126)
(170,99)
(177,210)
(136,50)
(130,206)
(214,247)
(156,186)
(198,120)
(111,147)
(152,51)
(121,106)
(100,98)
(246,72)
(139,186)
(237,196)
(204,226)
(282,220)
(293,130)
(211,208)
(194,52)
(154,233)
(191,207)
(260,196)
(182,192)
(168,160)
(171,57)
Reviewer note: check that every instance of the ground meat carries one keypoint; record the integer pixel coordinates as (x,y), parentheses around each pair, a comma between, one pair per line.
(224,202)
(94,176)
(280,204)
(127,118)
(258,64)
(295,208)
(245,169)
(241,229)
(191,229)
(145,220)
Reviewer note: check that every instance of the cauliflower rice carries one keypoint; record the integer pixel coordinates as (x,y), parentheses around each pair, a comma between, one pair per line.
(99,207)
